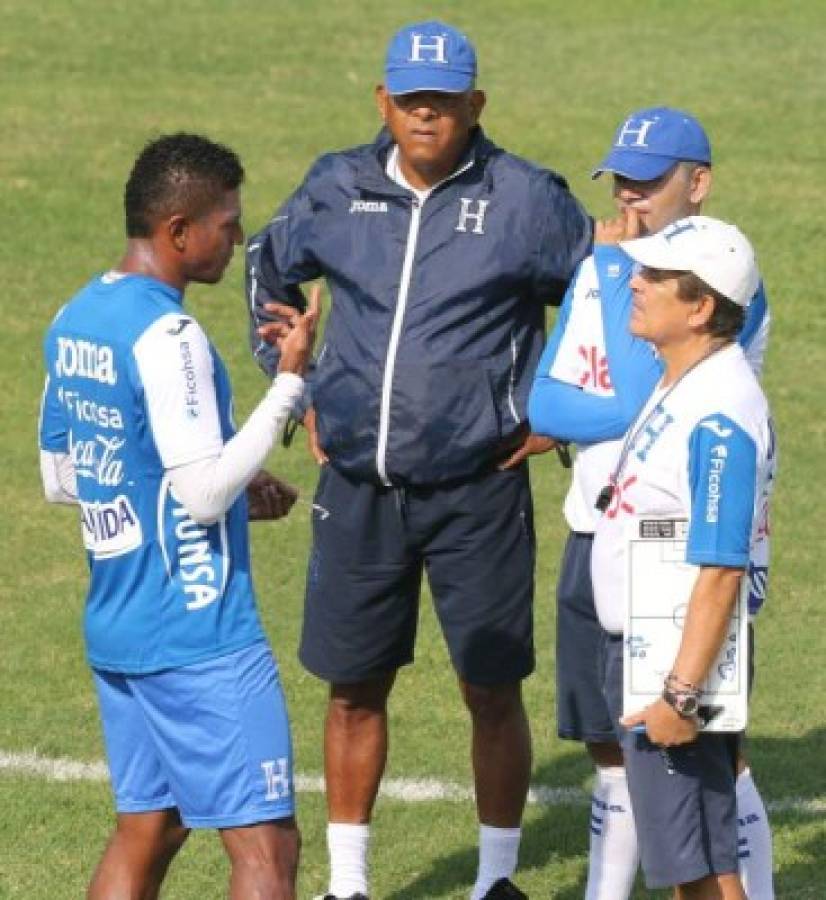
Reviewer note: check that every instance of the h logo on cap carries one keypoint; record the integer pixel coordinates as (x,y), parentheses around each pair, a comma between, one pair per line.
(639,133)
(435,46)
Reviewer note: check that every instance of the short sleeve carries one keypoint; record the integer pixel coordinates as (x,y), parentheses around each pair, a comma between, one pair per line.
(175,367)
(722,471)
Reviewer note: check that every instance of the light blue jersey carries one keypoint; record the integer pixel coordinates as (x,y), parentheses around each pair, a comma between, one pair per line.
(133,389)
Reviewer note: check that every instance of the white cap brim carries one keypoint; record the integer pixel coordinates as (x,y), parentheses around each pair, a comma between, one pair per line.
(713,250)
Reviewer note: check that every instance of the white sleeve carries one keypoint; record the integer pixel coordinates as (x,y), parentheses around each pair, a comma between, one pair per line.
(57,472)
(175,368)
(207,487)
(755,350)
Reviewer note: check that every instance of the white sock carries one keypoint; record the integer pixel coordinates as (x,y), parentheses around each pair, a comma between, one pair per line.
(347,846)
(498,851)
(614,855)
(754,840)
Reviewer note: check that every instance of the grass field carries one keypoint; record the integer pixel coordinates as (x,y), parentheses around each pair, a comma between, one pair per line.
(85,83)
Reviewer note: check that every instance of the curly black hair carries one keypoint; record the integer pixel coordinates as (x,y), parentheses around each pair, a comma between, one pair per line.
(184,173)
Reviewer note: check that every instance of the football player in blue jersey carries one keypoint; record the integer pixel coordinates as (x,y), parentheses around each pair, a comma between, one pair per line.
(592,380)
(136,429)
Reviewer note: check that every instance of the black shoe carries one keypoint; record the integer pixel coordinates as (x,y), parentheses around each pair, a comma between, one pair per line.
(504,889)
(351,897)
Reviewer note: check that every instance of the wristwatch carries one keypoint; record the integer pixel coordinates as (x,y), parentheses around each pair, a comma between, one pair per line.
(685,704)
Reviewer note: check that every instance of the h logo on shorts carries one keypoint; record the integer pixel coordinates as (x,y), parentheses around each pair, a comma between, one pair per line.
(276,775)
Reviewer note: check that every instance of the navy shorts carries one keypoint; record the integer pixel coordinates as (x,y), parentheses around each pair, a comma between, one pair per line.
(581,711)
(686,820)
(211,738)
(371,544)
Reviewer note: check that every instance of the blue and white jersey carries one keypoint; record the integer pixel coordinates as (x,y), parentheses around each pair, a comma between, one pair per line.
(134,388)
(704,451)
(594,376)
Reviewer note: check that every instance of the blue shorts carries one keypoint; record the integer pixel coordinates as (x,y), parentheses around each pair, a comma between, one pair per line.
(581,711)
(211,739)
(686,819)
(371,545)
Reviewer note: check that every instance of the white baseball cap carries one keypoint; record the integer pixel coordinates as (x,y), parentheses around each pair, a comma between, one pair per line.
(713,250)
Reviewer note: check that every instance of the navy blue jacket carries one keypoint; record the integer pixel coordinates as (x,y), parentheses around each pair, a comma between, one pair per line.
(437,315)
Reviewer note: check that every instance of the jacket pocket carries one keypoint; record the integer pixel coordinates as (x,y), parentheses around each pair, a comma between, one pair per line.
(346,407)
(445,421)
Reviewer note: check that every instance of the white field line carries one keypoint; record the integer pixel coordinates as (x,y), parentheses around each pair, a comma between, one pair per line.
(408,790)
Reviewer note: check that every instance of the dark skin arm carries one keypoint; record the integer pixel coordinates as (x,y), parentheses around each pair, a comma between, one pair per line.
(273,333)
(532,445)
(267,496)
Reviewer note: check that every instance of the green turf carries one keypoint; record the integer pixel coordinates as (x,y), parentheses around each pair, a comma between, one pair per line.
(84,84)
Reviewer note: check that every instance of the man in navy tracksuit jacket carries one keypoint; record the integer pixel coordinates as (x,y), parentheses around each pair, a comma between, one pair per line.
(440,251)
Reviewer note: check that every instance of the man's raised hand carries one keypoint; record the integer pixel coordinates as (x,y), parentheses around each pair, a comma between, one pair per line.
(294,334)
(625,227)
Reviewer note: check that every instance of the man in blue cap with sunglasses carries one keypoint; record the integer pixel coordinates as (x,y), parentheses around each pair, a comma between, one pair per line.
(440,251)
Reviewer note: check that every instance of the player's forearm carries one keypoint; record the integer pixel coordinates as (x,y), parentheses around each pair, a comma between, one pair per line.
(208,487)
(706,622)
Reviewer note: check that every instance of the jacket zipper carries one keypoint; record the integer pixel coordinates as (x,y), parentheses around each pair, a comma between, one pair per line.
(395,334)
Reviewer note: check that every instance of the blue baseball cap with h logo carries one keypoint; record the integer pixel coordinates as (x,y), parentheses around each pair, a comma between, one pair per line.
(649,142)
(429,56)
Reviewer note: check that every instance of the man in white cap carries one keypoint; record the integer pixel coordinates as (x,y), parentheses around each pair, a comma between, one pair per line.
(441,252)
(592,380)
(702,449)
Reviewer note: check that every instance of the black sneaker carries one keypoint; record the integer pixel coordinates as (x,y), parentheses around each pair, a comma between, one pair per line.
(504,889)
(351,897)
